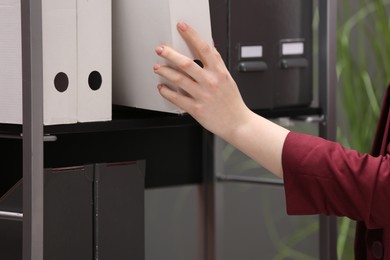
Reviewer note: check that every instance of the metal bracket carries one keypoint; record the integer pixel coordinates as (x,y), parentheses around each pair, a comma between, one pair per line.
(248,179)
(16,216)
(310,119)
(46,138)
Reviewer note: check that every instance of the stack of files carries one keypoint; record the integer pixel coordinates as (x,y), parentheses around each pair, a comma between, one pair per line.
(138,28)
(76,57)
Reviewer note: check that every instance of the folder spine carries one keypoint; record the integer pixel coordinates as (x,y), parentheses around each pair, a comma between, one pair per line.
(94,60)
(59,61)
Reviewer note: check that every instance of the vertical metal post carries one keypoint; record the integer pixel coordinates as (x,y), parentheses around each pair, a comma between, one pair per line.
(32,129)
(327,92)
(208,196)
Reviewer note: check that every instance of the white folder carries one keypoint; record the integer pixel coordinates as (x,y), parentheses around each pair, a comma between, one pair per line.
(10,62)
(94,60)
(59,61)
(138,28)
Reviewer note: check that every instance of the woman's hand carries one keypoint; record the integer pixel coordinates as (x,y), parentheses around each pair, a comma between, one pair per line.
(210,94)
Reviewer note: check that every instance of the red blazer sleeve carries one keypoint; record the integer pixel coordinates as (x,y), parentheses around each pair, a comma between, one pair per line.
(322,177)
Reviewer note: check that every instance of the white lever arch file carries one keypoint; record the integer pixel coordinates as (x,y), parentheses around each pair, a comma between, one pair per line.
(94,60)
(138,28)
(59,46)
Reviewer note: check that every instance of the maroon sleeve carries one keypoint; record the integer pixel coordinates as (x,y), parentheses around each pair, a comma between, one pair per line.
(322,177)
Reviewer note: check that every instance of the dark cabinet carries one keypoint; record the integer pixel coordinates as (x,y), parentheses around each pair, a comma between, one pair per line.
(267,46)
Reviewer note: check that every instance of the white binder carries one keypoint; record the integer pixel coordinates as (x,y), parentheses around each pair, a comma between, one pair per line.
(94,60)
(138,28)
(59,61)
(10,62)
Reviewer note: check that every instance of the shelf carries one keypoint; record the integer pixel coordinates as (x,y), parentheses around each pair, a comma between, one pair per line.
(122,119)
(170,144)
(130,118)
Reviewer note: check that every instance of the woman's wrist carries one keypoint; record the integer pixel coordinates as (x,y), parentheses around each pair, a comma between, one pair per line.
(260,139)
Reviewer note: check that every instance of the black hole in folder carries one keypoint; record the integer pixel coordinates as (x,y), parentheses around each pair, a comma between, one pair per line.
(199,63)
(95,80)
(61,82)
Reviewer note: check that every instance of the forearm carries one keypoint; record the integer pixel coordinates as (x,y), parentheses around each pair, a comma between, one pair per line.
(260,139)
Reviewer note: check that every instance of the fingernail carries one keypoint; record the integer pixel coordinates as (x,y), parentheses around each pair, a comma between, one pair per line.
(159,50)
(182,26)
(156,66)
(159,87)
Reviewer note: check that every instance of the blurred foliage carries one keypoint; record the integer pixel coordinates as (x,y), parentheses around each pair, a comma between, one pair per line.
(363,68)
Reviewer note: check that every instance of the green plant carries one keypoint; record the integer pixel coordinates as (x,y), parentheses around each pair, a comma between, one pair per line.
(363,69)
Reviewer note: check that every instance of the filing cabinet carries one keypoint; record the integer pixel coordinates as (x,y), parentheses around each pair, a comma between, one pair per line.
(269,49)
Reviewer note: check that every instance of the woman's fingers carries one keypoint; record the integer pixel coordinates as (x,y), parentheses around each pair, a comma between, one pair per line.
(175,97)
(178,78)
(182,62)
(201,47)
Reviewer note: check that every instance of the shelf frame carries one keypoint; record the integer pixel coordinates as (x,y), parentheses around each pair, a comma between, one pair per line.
(32,74)
(327,94)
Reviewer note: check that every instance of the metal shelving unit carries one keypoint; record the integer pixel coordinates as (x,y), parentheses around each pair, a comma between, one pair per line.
(34,135)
